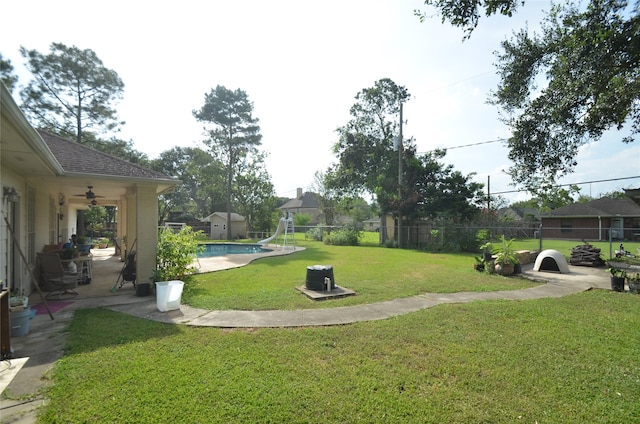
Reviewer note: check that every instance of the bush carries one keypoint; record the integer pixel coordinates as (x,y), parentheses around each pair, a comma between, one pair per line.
(316,234)
(348,236)
(391,243)
(176,253)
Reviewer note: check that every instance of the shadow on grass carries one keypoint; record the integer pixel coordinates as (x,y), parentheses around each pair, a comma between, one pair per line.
(113,328)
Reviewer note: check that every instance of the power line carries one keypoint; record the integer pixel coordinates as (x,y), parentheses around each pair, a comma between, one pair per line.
(466,145)
(569,184)
(476,144)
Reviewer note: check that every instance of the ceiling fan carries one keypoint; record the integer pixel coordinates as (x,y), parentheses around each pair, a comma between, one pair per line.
(89,195)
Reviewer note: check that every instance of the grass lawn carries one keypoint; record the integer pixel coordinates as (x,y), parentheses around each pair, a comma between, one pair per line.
(375,273)
(567,360)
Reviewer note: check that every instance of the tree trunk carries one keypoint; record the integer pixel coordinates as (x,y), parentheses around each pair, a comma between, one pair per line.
(229,185)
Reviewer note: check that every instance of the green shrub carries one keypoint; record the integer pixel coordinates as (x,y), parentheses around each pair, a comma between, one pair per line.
(348,236)
(176,253)
(391,243)
(301,219)
(316,234)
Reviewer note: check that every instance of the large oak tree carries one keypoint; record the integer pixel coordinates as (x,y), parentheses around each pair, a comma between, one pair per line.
(564,87)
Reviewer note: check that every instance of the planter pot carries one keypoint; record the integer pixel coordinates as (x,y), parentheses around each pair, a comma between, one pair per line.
(20,322)
(517,269)
(506,269)
(143,289)
(168,295)
(479,267)
(617,284)
(488,257)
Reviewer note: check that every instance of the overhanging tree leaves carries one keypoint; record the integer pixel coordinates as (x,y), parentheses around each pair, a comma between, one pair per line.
(72,92)
(6,73)
(233,131)
(591,60)
(566,86)
(466,14)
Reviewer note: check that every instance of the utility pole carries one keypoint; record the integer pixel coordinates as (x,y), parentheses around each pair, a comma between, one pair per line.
(488,192)
(400,181)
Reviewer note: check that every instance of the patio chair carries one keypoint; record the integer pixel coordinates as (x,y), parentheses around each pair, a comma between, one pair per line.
(54,278)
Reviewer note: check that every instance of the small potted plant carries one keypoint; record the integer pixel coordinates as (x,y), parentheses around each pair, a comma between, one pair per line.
(487,251)
(69,253)
(479,265)
(506,257)
(618,275)
(634,283)
(17,301)
(83,245)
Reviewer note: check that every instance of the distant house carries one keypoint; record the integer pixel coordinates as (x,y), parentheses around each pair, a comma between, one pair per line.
(595,220)
(218,222)
(304,203)
(371,224)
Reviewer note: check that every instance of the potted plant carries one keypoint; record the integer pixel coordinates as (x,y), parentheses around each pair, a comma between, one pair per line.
(634,283)
(18,302)
(479,265)
(68,253)
(618,276)
(83,246)
(487,251)
(506,257)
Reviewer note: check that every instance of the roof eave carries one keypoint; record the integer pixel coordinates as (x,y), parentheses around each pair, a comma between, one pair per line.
(29,134)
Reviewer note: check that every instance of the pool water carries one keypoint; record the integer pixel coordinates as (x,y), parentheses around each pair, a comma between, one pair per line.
(222,249)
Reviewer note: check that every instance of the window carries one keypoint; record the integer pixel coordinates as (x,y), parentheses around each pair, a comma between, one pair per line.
(566,226)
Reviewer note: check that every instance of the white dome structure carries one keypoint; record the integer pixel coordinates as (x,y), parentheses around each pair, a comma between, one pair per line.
(551,260)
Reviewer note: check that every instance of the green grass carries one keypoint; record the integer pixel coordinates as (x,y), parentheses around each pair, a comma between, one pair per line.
(374,273)
(567,360)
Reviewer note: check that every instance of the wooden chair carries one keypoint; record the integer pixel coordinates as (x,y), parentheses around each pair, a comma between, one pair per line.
(54,278)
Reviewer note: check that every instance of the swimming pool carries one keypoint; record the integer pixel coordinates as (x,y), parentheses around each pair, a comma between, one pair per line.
(222,249)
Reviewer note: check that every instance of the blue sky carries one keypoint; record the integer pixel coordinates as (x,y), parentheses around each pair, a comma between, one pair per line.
(302,63)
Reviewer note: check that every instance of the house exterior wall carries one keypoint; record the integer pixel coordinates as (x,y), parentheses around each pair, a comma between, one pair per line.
(574,228)
(588,228)
(313,212)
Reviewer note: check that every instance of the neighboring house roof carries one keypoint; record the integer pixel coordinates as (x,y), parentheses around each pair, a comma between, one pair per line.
(306,201)
(234,217)
(76,158)
(604,207)
(518,214)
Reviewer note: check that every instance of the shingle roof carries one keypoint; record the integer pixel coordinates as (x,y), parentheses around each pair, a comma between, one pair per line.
(600,207)
(80,159)
(235,217)
(307,200)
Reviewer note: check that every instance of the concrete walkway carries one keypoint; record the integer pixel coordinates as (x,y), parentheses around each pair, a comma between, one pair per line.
(562,285)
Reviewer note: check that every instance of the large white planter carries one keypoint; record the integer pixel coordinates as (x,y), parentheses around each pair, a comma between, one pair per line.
(168,295)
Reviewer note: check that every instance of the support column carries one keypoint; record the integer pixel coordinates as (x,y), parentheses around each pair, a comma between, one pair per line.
(146,230)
